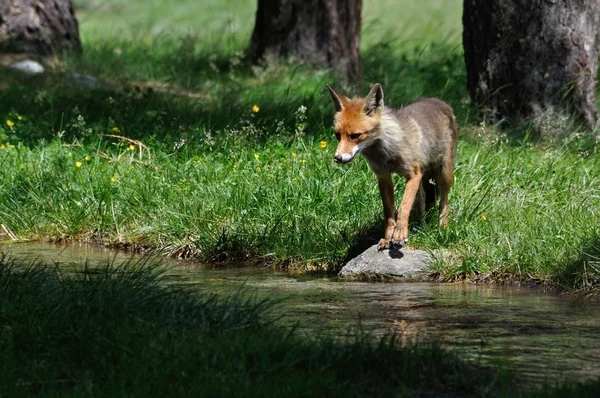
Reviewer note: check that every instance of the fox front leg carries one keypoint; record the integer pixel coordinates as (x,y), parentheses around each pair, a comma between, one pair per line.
(400,235)
(386,190)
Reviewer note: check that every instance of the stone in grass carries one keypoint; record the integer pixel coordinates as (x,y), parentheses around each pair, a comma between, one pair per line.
(28,67)
(402,265)
(81,81)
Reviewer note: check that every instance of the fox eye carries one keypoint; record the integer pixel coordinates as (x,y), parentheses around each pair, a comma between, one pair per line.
(354,136)
(337,135)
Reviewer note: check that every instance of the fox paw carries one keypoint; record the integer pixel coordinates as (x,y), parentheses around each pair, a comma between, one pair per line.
(398,243)
(383,244)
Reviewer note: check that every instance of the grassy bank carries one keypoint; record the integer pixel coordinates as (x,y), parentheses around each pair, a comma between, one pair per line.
(183,148)
(515,209)
(121,331)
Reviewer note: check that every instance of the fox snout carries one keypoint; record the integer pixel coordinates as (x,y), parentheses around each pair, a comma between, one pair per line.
(345,157)
(340,159)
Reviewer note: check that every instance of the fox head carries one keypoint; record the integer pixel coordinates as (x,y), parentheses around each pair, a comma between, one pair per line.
(356,122)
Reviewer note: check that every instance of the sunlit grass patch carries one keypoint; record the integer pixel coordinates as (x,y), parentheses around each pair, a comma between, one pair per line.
(521,211)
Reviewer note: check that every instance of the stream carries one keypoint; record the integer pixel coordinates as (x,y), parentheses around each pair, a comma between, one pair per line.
(541,335)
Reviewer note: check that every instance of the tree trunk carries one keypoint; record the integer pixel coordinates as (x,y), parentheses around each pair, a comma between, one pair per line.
(323,32)
(38,27)
(533,59)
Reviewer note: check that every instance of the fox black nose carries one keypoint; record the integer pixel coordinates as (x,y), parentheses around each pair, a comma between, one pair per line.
(338,158)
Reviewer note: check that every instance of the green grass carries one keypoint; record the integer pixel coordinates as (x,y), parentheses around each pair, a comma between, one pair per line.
(123,331)
(220,182)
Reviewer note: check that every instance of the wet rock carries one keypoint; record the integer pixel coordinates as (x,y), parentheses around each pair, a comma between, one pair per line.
(28,67)
(403,265)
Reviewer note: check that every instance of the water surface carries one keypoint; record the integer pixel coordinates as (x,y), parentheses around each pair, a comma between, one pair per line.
(542,335)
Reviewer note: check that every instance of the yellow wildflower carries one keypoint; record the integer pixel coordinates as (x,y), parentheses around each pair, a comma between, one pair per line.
(294,154)
(235,166)
(2,146)
(19,117)
(87,158)
(302,160)
(78,164)
(323,144)
(255,108)
(483,217)
(9,123)
(131,147)
(116,129)
(113,179)
(256,156)
(530,164)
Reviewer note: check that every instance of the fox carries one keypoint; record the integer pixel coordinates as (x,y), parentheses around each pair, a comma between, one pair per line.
(417,142)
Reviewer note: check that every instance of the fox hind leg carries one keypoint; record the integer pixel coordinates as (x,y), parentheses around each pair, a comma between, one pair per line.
(444,181)
(426,196)
(419,208)
(430,190)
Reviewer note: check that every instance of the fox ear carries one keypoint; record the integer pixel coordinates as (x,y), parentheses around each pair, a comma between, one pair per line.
(339,100)
(374,100)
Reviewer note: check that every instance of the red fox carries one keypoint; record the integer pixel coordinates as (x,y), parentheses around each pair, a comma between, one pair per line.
(417,142)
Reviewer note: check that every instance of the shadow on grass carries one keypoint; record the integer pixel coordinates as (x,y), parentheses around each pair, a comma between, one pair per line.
(177,91)
(584,272)
(169,92)
(367,236)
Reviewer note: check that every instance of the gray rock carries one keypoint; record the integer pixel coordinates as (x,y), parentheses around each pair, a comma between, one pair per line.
(28,67)
(405,265)
(79,80)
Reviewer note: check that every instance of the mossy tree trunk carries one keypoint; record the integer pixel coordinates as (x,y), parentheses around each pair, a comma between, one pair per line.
(322,32)
(533,59)
(38,27)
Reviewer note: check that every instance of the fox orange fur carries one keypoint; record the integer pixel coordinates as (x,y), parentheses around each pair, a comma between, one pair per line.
(417,142)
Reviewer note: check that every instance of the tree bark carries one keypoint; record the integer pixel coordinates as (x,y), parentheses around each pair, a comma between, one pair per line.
(533,59)
(38,27)
(323,32)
